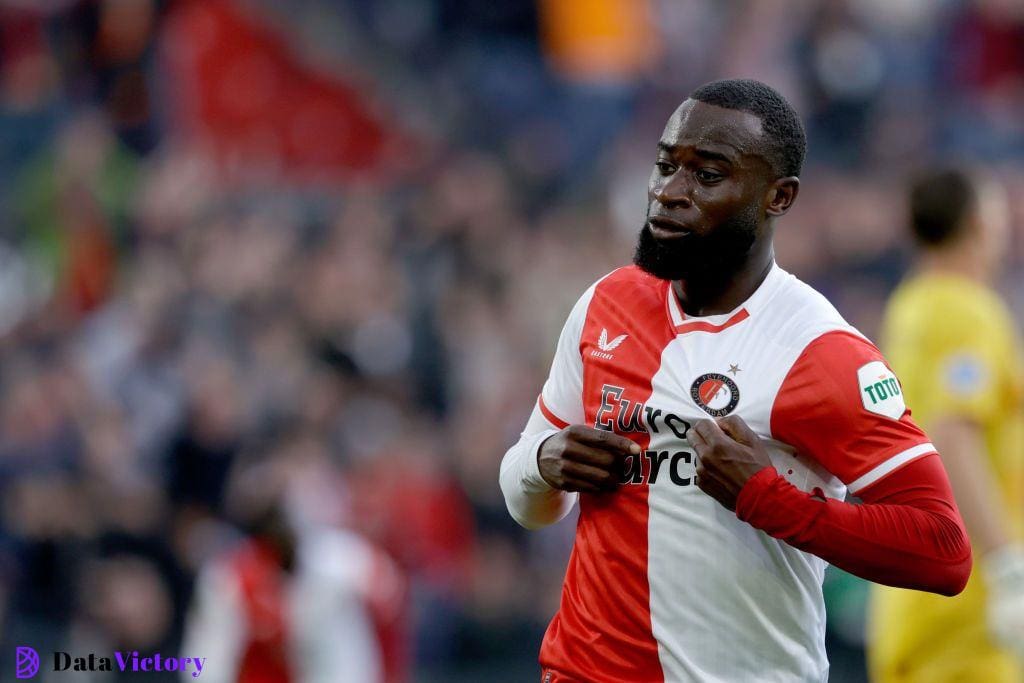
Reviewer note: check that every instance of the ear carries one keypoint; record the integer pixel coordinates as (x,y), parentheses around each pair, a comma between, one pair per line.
(781,195)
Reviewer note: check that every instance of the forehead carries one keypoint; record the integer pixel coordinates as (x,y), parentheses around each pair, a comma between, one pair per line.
(700,124)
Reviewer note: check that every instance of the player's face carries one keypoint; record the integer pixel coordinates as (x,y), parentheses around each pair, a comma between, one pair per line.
(705,198)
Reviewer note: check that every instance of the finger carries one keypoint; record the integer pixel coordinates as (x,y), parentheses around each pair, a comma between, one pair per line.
(701,448)
(734,427)
(695,437)
(716,490)
(607,440)
(599,477)
(581,486)
(708,468)
(590,455)
(708,431)
(702,437)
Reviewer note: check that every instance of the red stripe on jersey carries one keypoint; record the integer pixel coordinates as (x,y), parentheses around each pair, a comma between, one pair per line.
(550,416)
(699,326)
(819,410)
(602,632)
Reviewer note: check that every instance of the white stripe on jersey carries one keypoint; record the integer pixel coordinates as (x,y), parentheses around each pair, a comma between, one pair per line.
(890,465)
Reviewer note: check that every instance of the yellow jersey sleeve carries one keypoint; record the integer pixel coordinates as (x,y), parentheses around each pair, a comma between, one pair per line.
(964,378)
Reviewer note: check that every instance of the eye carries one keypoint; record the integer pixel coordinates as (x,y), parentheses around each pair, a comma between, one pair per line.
(664,167)
(707,175)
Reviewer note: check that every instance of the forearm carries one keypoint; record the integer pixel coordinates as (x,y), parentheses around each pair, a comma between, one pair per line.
(530,500)
(909,534)
(974,483)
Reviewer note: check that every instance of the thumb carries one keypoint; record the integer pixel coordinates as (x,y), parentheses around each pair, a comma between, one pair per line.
(738,430)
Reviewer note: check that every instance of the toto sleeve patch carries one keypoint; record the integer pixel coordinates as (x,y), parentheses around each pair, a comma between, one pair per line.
(880,391)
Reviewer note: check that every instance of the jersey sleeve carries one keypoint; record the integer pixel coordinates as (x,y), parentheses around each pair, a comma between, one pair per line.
(908,533)
(561,400)
(841,405)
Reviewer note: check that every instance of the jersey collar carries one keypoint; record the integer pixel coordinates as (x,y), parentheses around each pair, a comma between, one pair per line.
(684,324)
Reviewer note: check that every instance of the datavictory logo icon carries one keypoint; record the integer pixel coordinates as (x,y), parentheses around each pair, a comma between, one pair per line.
(26,663)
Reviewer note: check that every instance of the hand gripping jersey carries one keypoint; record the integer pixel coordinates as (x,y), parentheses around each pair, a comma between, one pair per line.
(664,584)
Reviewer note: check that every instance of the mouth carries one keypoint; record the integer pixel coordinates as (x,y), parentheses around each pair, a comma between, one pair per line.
(667,228)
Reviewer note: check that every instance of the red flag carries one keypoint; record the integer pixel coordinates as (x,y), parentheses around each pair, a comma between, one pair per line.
(239,88)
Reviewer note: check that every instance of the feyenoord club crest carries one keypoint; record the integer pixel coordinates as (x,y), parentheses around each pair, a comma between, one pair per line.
(715,393)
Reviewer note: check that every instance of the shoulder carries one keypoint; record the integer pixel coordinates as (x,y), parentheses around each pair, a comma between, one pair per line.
(797,315)
(833,364)
(631,281)
(828,359)
(947,307)
(626,289)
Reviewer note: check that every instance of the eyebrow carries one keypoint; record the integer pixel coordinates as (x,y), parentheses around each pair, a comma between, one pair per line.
(700,151)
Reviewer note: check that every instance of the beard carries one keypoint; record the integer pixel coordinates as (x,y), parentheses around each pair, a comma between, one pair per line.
(707,259)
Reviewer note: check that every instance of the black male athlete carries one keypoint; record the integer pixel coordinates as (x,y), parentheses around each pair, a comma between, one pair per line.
(710,412)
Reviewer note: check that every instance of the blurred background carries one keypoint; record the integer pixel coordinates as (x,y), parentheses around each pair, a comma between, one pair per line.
(270,268)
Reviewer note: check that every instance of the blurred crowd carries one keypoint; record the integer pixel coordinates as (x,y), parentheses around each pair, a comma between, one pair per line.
(324,248)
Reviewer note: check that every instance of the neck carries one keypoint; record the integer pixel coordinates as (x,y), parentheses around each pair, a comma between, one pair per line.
(705,297)
(954,260)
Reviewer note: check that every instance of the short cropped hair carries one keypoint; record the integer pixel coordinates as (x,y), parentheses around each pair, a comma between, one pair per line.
(786,142)
(940,202)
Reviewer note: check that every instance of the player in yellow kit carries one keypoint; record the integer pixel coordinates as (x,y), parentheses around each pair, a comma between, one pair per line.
(954,346)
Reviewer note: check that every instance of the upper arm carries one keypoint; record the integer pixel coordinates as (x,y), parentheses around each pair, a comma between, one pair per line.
(963,449)
(974,482)
(842,405)
(561,400)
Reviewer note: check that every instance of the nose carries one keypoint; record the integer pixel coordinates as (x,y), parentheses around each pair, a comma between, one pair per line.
(673,193)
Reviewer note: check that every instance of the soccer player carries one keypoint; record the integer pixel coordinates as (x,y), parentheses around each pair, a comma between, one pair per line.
(298,603)
(954,344)
(709,411)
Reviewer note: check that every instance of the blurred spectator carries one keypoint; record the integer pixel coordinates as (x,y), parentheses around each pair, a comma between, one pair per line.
(844,79)
(297,601)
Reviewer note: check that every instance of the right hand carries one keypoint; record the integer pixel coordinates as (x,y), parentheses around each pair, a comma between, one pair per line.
(585,459)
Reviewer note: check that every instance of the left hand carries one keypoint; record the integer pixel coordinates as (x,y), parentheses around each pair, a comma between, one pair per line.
(730,454)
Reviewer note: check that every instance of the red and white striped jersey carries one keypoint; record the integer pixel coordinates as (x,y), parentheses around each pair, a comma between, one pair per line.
(664,584)
(338,616)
